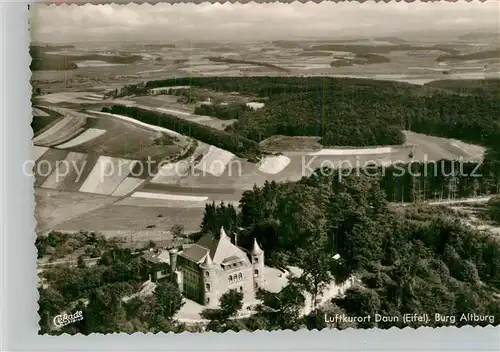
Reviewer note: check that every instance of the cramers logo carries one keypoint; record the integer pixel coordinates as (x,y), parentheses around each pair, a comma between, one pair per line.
(65,319)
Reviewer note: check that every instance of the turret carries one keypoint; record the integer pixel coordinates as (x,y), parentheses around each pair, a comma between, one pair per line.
(176,275)
(173,259)
(258,265)
(210,281)
(256,249)
(207,263)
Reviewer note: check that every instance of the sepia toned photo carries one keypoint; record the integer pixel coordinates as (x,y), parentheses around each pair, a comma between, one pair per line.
(244,167)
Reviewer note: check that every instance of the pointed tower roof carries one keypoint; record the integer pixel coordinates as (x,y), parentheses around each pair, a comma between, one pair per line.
(207,263)
(256,249)
(223,234)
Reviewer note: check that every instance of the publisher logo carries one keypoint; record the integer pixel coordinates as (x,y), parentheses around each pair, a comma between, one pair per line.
(66,319)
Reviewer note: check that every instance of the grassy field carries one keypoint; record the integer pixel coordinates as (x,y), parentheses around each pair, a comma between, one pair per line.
(126,140)
(277,144)
(127,220)
(70,125)
(54,207)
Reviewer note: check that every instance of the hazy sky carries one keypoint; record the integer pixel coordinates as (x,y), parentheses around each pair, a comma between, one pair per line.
(167,22)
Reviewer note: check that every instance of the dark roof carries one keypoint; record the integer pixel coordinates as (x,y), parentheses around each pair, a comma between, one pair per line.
(151,256)
(160,256)
(195,253)
(209,242)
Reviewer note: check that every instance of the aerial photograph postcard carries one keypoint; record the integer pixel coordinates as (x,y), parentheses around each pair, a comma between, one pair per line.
(280,166)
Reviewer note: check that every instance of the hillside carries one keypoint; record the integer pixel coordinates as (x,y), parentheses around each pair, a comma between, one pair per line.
(43,60)
(352,112)
(487,54)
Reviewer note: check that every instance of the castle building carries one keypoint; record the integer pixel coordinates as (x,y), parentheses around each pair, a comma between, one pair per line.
(212,266)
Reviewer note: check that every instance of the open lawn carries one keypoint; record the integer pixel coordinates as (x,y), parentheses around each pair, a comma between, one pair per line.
(168,104)
(86,136)
(54,207)
(436,148)
(276,144)
(107,175)
(124,139)
(38,152)
(123,220)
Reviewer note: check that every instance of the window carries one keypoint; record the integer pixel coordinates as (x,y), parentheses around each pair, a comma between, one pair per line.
(241,288)
(207,274)
(255,260)
(240,276)
(207,300)
(230,279)
(256,272)
(207,287)
(256,285)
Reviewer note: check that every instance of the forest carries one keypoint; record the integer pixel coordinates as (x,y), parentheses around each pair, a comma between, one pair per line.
(415,259)
(105,293)
(224,112)
(354,112)
(490,86)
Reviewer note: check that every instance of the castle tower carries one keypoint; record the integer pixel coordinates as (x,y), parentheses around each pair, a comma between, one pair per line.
(209,289)
(176,275)
(258,265)
(173,259)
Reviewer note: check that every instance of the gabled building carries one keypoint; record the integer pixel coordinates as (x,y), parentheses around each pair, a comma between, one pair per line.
(157,264)
(212,266)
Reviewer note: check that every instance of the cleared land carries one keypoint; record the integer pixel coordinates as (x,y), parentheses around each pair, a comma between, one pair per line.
(64,97)
(107,175)
(357,151)
(125,220)
(168,104)
(66,128)
(436,148)
(47,164)
(86,136)
(215,161)
(171,173)
(54,207)
(56,179)
(274,164)
(127,139)
(39,112)
(127,186)
(280,143)
(164,196)
(38,152)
